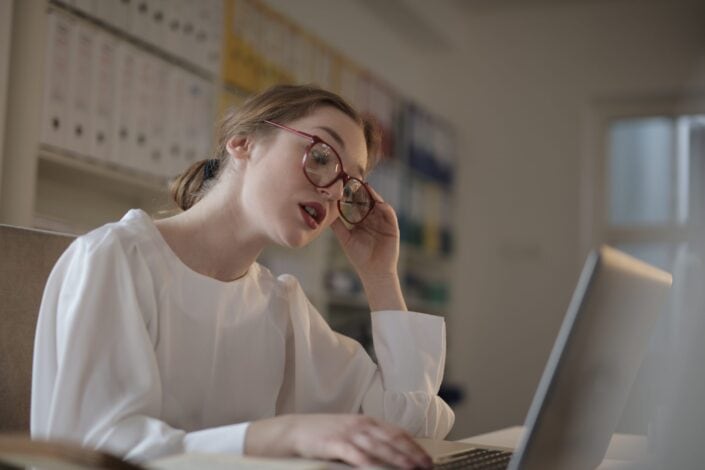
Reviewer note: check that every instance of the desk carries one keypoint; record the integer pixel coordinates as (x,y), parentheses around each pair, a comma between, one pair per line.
(21,451)
(624,448)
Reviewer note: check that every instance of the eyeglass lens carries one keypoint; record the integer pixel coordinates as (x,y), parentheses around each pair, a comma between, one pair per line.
(356,201)
(322,167)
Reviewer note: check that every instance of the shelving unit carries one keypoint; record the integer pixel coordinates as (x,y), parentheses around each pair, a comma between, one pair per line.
(60,187)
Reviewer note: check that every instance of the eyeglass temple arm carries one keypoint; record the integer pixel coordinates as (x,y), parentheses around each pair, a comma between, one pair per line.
(286,128)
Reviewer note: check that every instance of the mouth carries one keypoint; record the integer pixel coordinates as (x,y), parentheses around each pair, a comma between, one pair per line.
(313,213)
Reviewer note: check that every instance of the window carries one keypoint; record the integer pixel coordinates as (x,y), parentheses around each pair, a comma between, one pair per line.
(654,184)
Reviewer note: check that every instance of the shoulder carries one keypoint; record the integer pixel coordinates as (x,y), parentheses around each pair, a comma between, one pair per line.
(117,245)
(105,271)
(122,235)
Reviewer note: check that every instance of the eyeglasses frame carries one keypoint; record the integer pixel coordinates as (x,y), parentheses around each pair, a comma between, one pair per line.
(314,139)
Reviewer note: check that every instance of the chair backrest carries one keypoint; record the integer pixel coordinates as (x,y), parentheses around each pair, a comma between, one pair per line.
(26,259)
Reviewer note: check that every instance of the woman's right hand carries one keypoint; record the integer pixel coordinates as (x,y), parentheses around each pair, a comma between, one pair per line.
(355,439)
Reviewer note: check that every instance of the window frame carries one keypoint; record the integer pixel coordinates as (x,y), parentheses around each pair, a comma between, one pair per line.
(595,223)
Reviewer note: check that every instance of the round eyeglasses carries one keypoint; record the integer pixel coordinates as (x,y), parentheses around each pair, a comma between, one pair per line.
(323,168)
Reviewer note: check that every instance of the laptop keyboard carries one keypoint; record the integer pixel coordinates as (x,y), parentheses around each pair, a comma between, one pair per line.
(480,459)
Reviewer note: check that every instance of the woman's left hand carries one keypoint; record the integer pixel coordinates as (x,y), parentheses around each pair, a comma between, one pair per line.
(372,246)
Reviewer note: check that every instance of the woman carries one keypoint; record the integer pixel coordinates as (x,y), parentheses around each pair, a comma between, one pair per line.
(164,337)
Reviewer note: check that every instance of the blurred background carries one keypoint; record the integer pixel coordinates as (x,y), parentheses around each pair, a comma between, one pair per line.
(518,134)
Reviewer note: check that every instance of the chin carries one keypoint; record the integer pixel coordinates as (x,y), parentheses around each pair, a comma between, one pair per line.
(298,240)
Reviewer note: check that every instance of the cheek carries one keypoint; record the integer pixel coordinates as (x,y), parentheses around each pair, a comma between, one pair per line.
(333,214)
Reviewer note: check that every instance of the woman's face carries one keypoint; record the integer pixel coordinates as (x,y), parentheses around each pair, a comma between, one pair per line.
(277,198)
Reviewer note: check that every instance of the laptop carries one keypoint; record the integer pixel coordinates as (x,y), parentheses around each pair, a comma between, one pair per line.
(586,382)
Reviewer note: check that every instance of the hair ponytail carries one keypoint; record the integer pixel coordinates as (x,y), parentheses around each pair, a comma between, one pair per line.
(189,187)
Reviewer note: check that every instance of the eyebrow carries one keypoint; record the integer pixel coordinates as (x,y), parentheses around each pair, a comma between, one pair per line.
(340,142)
(333,134)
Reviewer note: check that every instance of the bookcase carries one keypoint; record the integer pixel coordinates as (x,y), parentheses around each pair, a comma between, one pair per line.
(110,99)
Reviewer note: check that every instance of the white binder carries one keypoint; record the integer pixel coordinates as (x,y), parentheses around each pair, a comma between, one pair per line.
(190,134)
(60,35)
(204,119)
(187,48)
(123,130)
(80,95)
(196,127)
(157,135)
(176,102)
(104,82)
(201,34)
(208,37)
(142,110)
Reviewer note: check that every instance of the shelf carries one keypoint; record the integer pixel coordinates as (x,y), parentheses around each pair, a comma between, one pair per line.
(112,178)
(76,194)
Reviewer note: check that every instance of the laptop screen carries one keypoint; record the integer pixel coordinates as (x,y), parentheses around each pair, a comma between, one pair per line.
(594,362)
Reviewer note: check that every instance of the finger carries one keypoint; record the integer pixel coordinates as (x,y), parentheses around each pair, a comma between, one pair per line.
(376,195)
(382,451)
(403,442)
(383,217)
(339,229)
(349,453)
(388,213)
(383,206)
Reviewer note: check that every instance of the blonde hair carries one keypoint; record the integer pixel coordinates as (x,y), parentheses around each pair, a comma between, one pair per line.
(281,103)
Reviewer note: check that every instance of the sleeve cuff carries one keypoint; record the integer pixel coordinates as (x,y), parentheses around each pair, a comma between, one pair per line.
(225,439)
(410,349)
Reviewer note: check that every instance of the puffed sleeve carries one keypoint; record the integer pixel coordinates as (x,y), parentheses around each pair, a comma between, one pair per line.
(329,372)
(95,378)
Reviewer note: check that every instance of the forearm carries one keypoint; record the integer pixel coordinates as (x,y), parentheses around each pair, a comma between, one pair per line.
(384,293)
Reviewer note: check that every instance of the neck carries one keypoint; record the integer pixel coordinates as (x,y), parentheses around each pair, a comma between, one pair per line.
(208,239)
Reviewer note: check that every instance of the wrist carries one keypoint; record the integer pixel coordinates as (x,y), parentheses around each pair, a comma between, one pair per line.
(379,279)
(384,292)
(270,437)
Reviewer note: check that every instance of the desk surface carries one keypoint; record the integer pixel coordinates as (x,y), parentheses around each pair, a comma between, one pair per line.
(623,448)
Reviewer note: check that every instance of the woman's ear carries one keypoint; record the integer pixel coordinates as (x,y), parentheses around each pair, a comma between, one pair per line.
(239,147)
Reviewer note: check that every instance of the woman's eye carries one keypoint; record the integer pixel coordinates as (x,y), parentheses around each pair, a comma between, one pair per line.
(320,157)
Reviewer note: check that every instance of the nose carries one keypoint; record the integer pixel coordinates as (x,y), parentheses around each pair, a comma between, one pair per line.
(333,192)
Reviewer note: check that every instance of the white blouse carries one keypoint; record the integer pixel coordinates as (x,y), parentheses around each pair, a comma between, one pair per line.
(139,355)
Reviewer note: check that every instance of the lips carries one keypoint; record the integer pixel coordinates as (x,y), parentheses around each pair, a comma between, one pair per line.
(313,213)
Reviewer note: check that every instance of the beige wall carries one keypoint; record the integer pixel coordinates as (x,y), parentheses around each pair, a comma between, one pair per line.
(533,81)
